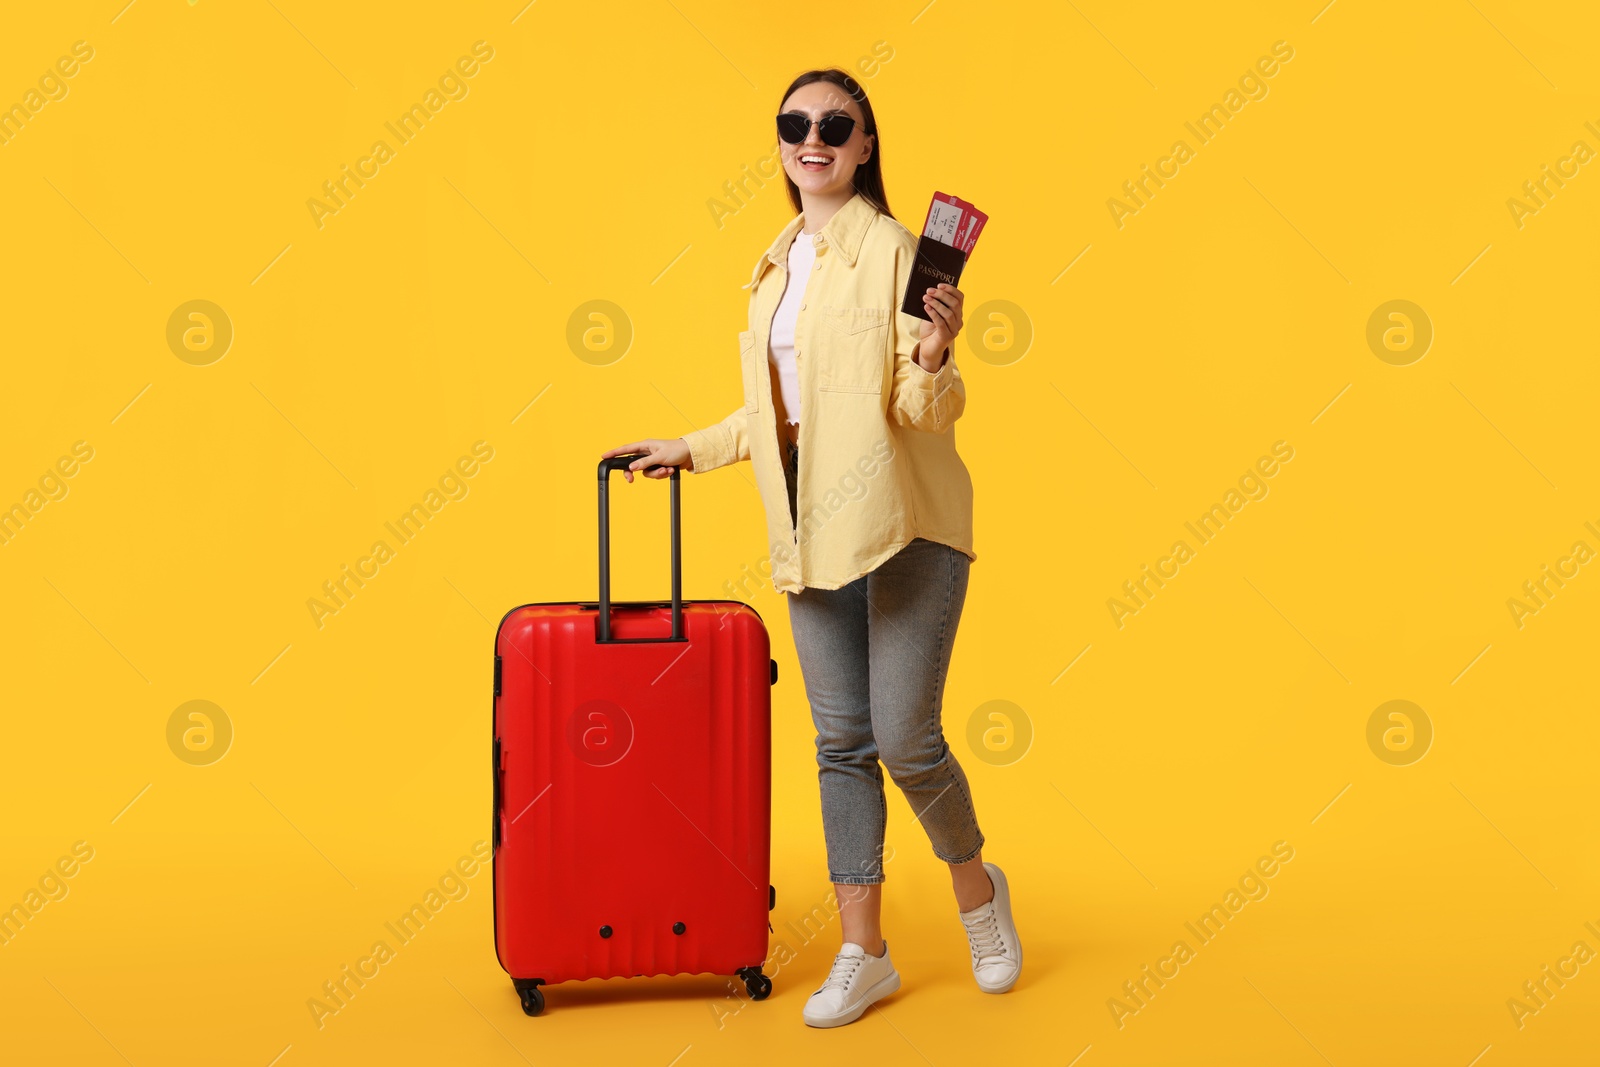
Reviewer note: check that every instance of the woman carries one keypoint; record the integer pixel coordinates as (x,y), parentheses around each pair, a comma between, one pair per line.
(872,536)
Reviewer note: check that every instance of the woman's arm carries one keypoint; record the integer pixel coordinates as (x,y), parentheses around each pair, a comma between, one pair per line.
(719,445)
(919,398)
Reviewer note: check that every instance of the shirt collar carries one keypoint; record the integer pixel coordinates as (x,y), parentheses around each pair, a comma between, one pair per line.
(844,232)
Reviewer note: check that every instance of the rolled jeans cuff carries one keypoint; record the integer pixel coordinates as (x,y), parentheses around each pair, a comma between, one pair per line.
(970,856)
(856,879)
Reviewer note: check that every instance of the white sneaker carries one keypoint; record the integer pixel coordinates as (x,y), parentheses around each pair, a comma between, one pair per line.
(856,980)
(992,938)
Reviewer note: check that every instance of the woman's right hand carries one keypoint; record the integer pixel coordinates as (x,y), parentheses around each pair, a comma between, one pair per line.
(670,454)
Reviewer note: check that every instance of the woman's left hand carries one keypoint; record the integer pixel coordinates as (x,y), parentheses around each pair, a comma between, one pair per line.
(943,305)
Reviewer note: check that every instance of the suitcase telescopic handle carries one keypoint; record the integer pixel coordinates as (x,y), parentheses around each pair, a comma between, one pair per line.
(603,622)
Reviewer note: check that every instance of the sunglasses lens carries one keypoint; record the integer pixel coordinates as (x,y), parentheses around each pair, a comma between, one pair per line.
(793,128)
(836,129)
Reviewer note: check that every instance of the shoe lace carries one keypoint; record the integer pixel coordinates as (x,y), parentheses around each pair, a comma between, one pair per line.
(844,969)
(983,937)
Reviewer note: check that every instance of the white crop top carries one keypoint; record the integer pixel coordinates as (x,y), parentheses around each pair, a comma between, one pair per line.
(802,255)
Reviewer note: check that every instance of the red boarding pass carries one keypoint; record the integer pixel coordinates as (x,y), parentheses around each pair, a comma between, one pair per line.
(944,221)
(953,221)
(969,238)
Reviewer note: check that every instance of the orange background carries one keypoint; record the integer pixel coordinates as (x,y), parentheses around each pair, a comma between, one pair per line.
(1121,380)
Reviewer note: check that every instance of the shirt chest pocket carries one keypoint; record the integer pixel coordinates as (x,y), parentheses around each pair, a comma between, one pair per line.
(856,345)
(749,367)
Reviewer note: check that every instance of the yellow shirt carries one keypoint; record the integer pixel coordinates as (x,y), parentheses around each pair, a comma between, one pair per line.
(878,462)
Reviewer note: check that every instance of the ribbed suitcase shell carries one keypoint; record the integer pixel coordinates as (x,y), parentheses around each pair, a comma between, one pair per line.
(639,818)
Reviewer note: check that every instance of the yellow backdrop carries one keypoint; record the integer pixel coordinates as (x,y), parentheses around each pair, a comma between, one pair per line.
(1275,681)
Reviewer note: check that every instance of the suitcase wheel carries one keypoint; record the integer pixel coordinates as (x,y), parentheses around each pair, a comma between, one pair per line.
(532,998)
(758,985)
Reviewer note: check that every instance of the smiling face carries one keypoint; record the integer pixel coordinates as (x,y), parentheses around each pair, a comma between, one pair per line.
(817,168)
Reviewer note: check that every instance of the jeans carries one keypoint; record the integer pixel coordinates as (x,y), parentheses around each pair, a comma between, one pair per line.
(791,461)
(874,655)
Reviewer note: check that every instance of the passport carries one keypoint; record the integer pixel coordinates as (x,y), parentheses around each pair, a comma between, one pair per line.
(949,234)
(936,262)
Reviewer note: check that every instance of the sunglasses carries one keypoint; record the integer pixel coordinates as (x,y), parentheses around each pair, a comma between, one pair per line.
(834,130)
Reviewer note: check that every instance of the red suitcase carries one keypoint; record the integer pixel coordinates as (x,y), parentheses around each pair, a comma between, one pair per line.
(632,785)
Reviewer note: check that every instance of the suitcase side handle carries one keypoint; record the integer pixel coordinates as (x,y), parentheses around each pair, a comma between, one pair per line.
(603,622)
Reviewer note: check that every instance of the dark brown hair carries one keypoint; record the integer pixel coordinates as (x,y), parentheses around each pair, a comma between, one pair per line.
(868,178)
